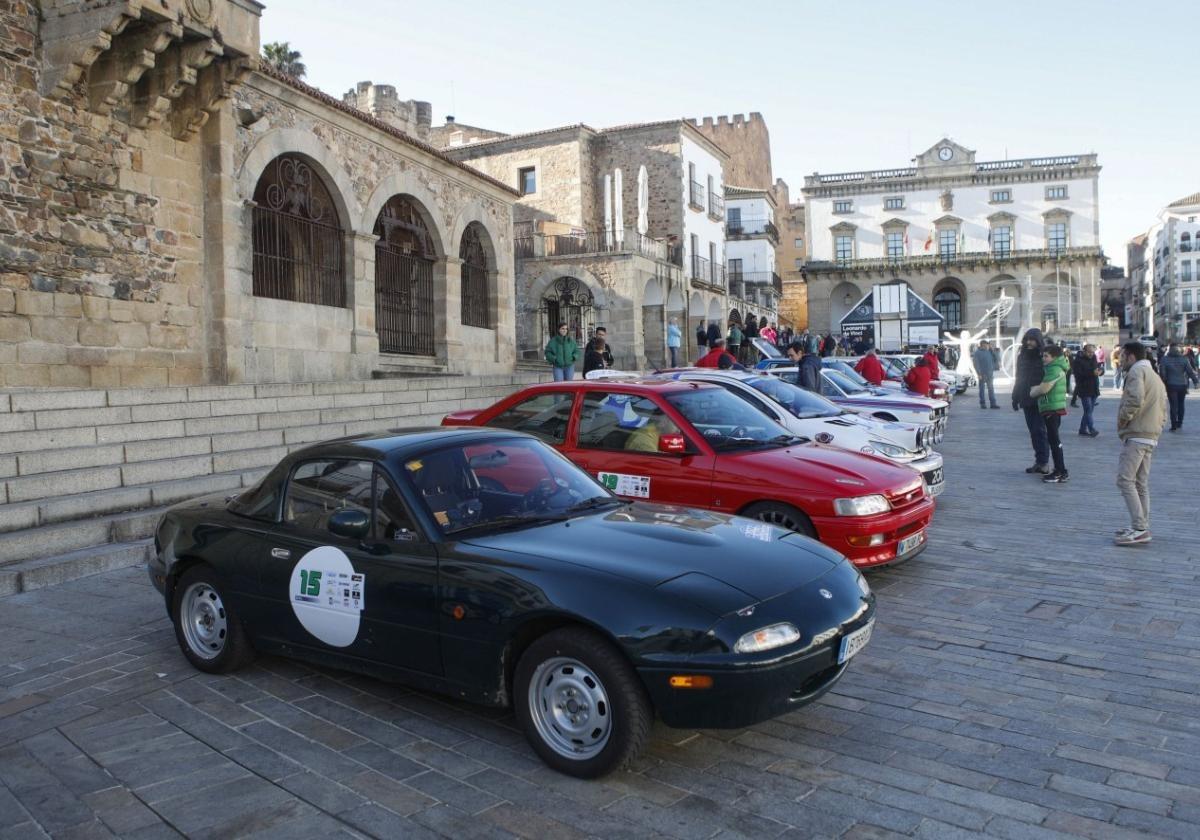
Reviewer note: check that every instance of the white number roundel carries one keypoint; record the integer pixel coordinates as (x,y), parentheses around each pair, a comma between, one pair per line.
(316,595)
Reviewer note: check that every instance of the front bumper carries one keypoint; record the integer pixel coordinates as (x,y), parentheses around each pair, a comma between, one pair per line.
(932,470)
(894,526)
(747,692)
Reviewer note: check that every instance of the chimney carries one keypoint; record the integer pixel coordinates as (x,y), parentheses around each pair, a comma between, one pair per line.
(424,113)
(449,119)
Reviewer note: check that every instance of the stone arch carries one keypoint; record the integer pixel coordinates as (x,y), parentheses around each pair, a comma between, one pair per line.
(284,141)
(839,308)
(473,213)
(477,277)
(405,183)
(950,286)
(654,335)
(532,320)
(1060,292)
(714,313)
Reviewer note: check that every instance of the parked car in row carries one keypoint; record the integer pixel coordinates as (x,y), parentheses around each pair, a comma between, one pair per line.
(816,418)
(697,445)
(483,565)
(893,372)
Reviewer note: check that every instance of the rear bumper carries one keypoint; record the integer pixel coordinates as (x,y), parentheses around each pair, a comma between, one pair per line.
(894,527)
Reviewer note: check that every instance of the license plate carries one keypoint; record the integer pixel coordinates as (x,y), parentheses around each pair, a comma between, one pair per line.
(934,477)
(909,543)
(855,642)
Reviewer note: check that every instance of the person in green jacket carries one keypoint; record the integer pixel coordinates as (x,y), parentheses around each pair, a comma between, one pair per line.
(562,352)
(1051,395)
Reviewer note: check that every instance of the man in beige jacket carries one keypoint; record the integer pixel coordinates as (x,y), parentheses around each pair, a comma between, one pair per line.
(1140,420)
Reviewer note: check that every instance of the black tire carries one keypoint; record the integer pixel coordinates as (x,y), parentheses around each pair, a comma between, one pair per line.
(220,648)
(785,516)
(629,712)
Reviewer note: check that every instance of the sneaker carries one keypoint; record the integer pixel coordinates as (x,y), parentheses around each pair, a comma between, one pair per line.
(1093,433)
(1083,432)
(983,407)
(1055,478)
(1133,538)
(996,406)
(1124,532)
(1040,469)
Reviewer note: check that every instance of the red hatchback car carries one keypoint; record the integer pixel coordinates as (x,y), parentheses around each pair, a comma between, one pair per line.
(698,445)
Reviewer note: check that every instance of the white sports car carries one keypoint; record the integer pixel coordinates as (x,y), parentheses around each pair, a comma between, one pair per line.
(816,418)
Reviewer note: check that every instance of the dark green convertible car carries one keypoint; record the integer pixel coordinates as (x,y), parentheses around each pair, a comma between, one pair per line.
(482,564)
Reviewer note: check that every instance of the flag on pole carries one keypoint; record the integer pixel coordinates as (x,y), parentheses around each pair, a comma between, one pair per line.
(929,240)
(962,242)
(906,248)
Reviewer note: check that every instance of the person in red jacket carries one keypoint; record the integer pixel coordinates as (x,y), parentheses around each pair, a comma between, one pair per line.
(870,368)
(717,357)
(931,359)
(918,377)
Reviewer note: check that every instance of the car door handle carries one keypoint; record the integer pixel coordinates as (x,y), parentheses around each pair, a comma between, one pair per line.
(280,553)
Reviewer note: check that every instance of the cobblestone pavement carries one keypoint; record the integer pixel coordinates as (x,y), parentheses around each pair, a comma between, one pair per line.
(1027,679)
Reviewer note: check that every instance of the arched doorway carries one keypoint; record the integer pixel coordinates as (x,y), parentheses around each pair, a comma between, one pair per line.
(843,298)
(296,236)
(404,259)
(714,314)
(569,301)
(654,339)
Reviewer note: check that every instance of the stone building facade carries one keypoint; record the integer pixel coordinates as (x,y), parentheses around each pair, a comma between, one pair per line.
(791,257)
(1164,265)
(961,233)
(156,182)
(580,256)
(748,144)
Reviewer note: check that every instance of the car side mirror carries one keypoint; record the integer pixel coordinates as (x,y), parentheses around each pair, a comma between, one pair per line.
(351,524)
(672,444)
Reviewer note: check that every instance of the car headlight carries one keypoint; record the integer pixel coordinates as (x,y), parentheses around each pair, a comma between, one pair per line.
(889,449)
(767,638)
(863,586)
(861,506)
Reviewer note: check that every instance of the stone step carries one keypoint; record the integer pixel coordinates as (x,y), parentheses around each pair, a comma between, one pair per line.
(51,540)
(26,575)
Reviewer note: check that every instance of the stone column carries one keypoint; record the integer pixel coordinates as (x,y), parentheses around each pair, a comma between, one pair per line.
(364,342)
(447,304)
(228,256)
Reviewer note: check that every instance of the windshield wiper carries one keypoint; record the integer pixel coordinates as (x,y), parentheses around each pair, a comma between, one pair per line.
(508,521)
(594,502)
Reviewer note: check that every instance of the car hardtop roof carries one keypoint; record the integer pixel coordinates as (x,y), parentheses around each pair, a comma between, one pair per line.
(642,382)
(403,441)
(675,373)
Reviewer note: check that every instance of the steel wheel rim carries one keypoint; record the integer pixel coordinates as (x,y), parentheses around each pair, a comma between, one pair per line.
(202,617)
(778,517)
(570,708)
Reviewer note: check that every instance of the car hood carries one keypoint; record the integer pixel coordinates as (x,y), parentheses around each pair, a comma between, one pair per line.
(654,544)
(841,472)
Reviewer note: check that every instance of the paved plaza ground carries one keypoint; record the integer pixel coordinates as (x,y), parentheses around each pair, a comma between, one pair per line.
(1027,679)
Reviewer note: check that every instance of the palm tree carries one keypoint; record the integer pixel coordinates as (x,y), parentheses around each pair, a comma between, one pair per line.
(283,58)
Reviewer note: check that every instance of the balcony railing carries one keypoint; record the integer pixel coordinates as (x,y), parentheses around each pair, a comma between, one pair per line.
(969,257)
(739,227)
(701,269)
(696,195)
(716,206)
(545,245)
(757,279)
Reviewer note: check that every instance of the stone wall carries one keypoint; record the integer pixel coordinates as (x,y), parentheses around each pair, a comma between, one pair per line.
(658,148)
(749,146)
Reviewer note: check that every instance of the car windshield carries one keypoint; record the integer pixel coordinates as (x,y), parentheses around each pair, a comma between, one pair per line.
(901,365)
(804,404)
(850,373)
(506,483)
(728,422)
(845,383)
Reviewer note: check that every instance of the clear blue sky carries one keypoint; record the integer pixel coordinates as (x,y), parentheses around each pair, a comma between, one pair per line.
(842,86)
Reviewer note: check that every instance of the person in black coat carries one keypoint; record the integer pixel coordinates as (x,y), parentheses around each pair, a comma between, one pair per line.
(714,332)
(808,366)
(701,336)
(1029,374)
(597,356)
(1087,370)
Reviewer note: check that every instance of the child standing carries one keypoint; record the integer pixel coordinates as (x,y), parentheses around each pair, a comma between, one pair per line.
(1052,405)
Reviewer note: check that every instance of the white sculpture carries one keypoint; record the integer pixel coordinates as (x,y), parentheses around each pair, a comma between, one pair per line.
(643,187)
(608,216)
(963,343)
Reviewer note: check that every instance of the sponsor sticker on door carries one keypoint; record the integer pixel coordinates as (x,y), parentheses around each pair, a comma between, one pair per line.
(637,486)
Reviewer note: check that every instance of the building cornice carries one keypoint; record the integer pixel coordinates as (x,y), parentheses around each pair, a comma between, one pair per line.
(996,173)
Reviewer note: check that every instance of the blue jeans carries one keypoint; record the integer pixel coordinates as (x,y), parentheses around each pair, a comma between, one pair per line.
(1089,406)
(1176,394)
(986,382)
(674,356)
(562,374)
(1037,434)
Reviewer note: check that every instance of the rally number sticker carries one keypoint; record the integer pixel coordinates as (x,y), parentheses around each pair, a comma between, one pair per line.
(637,486)
(328,596)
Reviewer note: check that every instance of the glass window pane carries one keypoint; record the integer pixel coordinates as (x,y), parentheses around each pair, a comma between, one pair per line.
(623,422)
(319,489)
(544,416)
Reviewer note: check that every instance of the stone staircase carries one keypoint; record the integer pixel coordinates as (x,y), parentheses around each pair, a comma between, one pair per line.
(85,475)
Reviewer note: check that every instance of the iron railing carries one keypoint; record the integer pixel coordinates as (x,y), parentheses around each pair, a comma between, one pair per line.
(475,296)
(542,245)
(936,260)
(751,227)
(696,195)
(403,302)
(701,270)
(716,206)
(297,259)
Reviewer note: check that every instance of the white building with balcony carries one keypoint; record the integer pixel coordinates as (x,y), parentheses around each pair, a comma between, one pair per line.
(751,239)
(961,233)
(1164,272)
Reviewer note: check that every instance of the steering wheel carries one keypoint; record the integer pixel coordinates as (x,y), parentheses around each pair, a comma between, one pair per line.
(539,497)
(739,432)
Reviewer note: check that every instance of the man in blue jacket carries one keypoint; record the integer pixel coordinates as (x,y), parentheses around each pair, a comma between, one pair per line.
(984,359)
